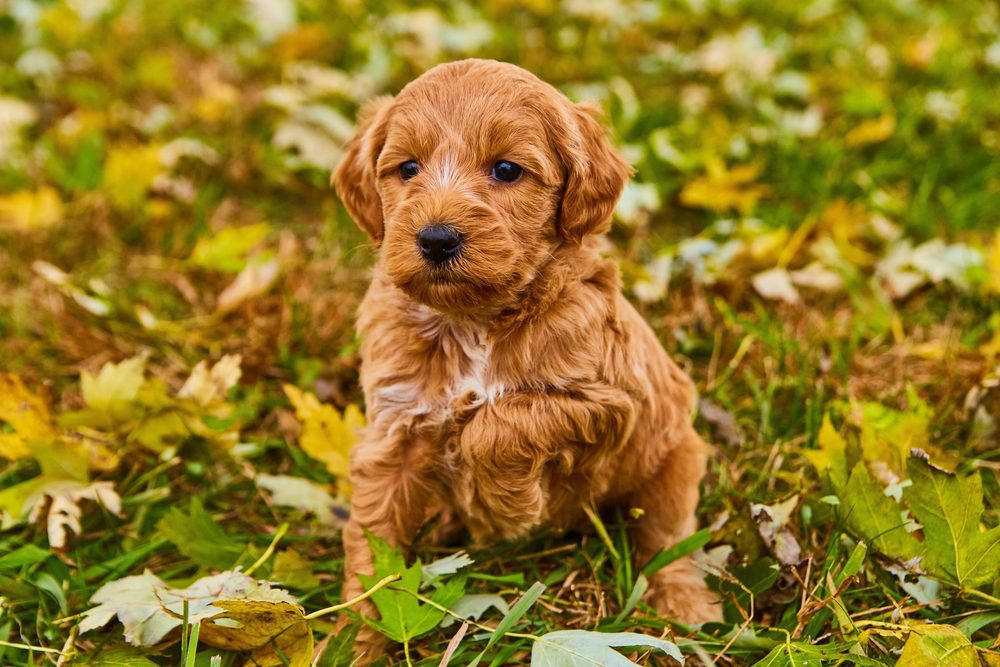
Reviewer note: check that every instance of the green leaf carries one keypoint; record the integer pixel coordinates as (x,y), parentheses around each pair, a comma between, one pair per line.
(935,645)
(403,616)
(873,516)
(227,250)
(519,609)
(122,657)
(29,554)
(970,625)
(582,648)
(199,537)
(950,508)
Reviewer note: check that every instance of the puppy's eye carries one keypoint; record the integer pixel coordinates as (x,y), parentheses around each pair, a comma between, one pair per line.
(506,172)
(408,170)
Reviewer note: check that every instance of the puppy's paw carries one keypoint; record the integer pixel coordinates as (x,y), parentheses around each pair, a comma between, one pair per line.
(683,595)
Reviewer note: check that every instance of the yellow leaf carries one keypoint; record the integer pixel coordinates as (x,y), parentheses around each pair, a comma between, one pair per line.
(25,413)
(872,131)
(128,173)
(832,453)
(326,434)
(30,209)
(262,627)
(114,383)
(207,387)
(993,264)
(723,190)
(845,222)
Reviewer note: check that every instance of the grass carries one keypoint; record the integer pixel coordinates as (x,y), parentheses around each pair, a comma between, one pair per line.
(133,135)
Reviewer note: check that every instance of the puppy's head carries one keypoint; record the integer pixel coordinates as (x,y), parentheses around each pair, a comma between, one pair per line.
(472,176)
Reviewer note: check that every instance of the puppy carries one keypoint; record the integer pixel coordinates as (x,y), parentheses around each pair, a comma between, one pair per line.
(507,380)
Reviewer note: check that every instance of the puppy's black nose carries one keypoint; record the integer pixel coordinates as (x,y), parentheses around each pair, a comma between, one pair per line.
(439,243)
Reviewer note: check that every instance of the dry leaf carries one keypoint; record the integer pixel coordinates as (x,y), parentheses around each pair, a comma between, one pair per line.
(776,284)
(255,279)
(30,209)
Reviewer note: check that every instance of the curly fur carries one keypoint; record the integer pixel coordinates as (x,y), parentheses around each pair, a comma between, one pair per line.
(515,384)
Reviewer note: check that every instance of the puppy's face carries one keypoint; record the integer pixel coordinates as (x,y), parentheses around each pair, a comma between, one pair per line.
(471,177)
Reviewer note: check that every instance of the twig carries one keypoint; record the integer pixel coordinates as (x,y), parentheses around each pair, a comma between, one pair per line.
(364,596)
(282,529)
(28,647)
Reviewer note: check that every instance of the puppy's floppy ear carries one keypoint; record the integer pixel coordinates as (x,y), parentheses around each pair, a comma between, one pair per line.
(596,175)
(354,177)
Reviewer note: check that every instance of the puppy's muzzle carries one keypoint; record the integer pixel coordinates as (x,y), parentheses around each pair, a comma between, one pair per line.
(438,243)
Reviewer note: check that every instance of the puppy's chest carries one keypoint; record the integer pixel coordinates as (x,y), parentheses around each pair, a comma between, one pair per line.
(454,370)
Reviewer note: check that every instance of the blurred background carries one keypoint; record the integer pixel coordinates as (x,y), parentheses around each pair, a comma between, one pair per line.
(813,231)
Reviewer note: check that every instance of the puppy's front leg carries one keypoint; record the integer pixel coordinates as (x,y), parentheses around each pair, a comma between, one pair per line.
(393,491)
(506,445)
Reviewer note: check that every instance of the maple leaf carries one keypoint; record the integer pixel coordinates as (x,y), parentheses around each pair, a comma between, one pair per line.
(327,435)
(950,507)
(25,413)
(877,518)
(831,455)
(302,494)
(722,189)
(402,615)
(255,613)
(114,385)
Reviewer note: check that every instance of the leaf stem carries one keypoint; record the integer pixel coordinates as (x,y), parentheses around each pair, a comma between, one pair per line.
(278,534)
(485,628)
(364,596)
(986,596)
(28,647)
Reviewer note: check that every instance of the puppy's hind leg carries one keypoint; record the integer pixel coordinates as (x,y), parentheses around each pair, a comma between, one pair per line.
(668,501)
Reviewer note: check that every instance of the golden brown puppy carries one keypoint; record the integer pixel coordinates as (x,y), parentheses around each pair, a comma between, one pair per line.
(507,380)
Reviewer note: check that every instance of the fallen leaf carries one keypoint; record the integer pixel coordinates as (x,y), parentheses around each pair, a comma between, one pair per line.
(64,511)
(950,507)
(722,189)
(228,250)
(301,494)
(28,210)
(776,284)
(199,537)
(473,606)
(25,413)
(876,518)
(327,435)
(114,384)
(817,276)
(255,279)
(772,524)
(149,609)
(832,453)
(207,387)
(583,648)
(933,645)
(873,131)
(292,569)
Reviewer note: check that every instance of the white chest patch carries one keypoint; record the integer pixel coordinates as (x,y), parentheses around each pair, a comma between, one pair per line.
(466,351)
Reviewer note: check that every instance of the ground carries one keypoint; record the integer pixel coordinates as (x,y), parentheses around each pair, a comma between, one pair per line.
(813,232)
